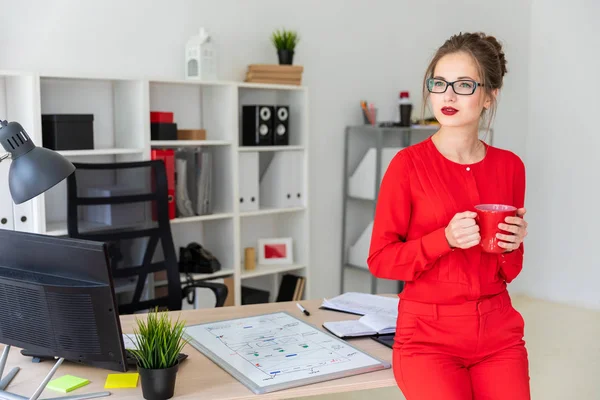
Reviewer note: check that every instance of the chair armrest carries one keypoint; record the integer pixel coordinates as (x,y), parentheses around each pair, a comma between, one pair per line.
(219,289)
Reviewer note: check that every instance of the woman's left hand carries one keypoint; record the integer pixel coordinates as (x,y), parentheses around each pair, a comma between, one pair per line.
(517,226)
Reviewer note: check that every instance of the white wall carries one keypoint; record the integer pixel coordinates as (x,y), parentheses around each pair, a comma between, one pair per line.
(561,261)
(351,50)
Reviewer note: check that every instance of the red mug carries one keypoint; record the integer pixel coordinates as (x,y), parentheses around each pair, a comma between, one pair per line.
(488,218)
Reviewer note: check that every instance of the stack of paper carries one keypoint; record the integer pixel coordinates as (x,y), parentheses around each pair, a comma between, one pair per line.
(67,383)
(121,381)
(363,303)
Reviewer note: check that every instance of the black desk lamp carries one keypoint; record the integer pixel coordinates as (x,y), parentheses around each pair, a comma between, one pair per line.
(34,169)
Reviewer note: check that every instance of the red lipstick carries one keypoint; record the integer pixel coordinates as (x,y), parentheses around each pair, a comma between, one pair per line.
(449,110)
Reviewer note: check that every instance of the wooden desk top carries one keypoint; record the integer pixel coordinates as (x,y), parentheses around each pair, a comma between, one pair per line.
(199,377)
(562,342)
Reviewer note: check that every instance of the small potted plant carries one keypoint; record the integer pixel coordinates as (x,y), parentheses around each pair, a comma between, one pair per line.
(159,343)
(285,42)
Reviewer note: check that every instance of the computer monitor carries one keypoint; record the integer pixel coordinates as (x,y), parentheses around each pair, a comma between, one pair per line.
(57,299)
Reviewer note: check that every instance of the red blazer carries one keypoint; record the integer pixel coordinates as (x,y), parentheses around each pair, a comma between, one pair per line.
(420,193)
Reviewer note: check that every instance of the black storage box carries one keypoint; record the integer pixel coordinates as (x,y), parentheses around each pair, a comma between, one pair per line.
(68,131)
(163,131)
(254,296)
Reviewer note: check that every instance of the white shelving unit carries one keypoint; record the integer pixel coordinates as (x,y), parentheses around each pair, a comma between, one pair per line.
(121,107)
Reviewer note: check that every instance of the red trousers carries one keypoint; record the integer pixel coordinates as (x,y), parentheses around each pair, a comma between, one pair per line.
(471,351)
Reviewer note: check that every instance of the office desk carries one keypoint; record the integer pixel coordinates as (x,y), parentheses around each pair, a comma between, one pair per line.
(562,341)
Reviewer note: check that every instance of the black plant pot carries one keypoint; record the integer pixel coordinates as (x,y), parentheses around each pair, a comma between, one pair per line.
(158,384)
(286,57)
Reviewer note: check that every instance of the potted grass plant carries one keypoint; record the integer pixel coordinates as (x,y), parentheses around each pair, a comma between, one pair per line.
(159,342)
(285,42)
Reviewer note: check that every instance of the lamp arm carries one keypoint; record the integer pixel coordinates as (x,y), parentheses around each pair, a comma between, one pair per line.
(4,156)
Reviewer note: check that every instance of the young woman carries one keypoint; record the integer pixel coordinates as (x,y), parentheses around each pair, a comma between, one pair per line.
(458,337)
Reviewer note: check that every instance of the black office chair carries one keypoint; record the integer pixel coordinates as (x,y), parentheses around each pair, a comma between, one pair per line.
(133,198)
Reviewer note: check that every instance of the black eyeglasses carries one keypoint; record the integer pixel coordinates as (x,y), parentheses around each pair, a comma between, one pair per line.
(462,86)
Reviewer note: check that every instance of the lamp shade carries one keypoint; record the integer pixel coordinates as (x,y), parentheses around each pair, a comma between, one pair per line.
(34,170)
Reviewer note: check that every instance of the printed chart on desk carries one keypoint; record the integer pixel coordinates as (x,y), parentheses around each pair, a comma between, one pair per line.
(277,351)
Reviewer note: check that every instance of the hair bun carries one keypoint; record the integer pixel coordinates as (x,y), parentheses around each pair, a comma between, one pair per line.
(498,48)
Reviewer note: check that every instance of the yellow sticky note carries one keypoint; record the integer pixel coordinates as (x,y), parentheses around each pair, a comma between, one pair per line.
(119,381)
(67,383)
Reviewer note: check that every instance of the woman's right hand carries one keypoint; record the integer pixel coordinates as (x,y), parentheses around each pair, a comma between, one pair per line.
(463,231)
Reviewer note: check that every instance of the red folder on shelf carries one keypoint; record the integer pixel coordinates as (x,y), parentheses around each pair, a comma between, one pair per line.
(168,157)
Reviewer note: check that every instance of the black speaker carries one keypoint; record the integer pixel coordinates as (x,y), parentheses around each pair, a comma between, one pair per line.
(281,125)
(257,125)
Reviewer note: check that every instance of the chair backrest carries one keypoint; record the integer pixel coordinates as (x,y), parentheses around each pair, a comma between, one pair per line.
(126,205)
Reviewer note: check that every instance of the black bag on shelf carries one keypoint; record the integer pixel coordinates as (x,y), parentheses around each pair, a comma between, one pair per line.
(194,259)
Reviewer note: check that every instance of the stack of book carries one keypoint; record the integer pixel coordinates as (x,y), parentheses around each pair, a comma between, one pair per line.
(275,73)
(291,288)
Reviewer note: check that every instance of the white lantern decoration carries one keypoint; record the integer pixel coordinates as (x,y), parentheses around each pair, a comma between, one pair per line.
(200,60)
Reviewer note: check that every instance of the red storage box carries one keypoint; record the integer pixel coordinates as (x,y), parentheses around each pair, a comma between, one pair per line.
(161,117)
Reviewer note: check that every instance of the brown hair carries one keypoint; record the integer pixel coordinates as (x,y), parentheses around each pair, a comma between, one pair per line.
(489,58)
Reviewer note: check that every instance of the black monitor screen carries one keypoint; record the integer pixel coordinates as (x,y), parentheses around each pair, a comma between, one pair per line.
(57,299)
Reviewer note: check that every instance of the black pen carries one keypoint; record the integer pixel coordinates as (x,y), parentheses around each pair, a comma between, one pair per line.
(303,309)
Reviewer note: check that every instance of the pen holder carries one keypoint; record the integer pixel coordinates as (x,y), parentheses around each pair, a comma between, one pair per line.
(371,114)
(249,258)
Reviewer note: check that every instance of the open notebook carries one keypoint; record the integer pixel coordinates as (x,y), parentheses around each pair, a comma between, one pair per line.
(367,325)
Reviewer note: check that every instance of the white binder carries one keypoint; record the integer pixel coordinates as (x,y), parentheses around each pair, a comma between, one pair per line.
(248,178)
(283,181)
(362,182)
(23,216)
(296,183)
(359,251)
(18,217)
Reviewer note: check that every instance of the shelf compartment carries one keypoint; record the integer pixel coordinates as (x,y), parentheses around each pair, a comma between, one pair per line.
(292,225)
(271,180)
(117,107)
(210,107)
(129,181)
(208,194)
(282,180)
(297,123)
(216,236)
